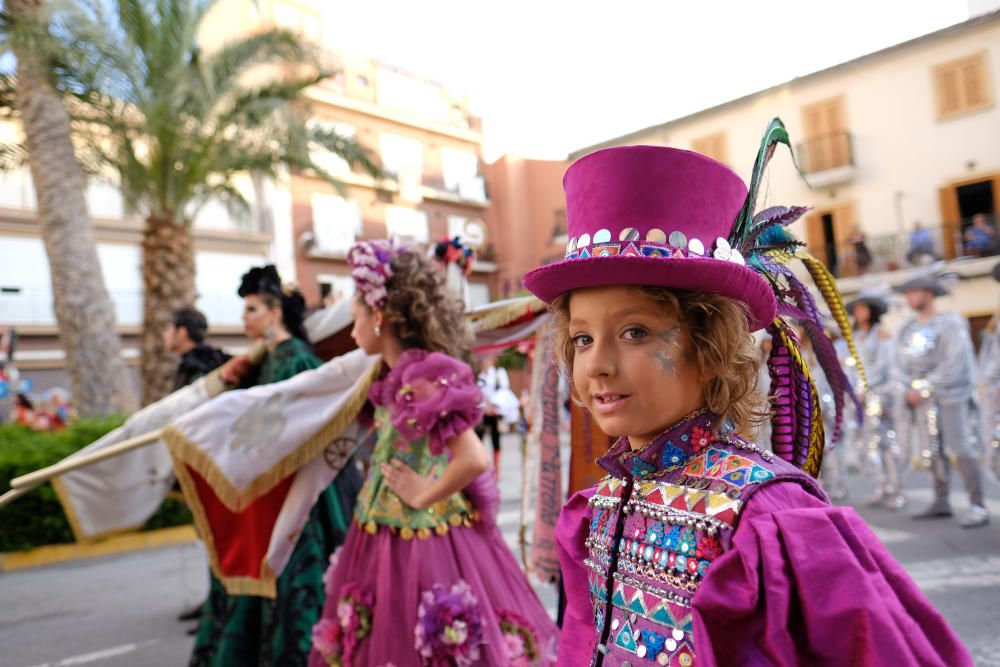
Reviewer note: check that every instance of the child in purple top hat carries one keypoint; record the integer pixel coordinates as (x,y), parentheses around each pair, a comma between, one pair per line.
(700,547)
(424,577)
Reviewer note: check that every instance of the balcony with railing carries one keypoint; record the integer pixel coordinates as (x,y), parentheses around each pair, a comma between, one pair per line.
(879,253)
(827,159)
(21,306)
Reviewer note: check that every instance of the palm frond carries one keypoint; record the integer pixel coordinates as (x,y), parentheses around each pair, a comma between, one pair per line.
(356,155)
(172,123)
(13,157)
(237,206)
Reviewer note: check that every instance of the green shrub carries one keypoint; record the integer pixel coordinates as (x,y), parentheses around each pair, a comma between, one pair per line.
(37,518)
(512,360)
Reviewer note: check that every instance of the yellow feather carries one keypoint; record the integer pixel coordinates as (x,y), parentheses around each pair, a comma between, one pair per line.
(828,288)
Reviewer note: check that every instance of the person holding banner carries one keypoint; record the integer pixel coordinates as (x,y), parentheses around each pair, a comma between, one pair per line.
(700,546)
(424,576)
(248,630)
(185,337)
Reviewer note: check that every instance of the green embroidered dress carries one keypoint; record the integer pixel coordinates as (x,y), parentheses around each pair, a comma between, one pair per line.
(243,630)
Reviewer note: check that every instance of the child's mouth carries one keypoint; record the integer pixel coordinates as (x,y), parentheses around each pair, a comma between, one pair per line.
(607,402)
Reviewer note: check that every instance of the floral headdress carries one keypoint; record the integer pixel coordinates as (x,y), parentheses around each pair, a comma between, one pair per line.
(371,269)
(453,250)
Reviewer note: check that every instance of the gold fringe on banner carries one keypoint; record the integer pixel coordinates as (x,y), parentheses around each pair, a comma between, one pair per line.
(503,313)
(266,586)
(186,453)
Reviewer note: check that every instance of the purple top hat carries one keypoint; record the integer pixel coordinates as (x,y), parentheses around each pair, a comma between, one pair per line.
(649,215)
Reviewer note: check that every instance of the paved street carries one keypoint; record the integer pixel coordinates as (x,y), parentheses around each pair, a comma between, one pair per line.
(119,611)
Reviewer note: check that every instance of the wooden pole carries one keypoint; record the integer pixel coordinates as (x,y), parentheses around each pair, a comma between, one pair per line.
(21,485)
(69,464)
(12,495)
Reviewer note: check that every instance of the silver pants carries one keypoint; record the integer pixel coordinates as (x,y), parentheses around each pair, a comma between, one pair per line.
(937,432)
(879,447)
(990,421)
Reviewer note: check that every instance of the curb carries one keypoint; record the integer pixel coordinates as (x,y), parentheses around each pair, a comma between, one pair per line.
(61,553)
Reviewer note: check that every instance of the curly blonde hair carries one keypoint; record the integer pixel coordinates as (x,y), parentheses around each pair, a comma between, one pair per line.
(722,346)
(421,311)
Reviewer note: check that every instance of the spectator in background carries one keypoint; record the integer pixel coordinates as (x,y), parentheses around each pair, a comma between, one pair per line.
(56,411)
(185,336)
(921,245)
(24,411)
(500,405)
(862,255)
(980,237)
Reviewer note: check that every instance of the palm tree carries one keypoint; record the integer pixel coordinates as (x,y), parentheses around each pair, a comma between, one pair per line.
(99,378)
(177,126)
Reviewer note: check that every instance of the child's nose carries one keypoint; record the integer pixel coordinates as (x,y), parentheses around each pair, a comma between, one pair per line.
(601,361)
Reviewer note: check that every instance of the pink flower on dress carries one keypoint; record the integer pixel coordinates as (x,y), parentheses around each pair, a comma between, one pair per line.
(518,635)
(336,641)
(326,638)
(449,627)
(346,615)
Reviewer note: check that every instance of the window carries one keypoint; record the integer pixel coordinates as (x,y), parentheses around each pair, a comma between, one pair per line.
(460,170)
(712,145)
(479,294)
(336,222)
(406,224)
(827,143)
(16,189)
(962,85)
(104,200)
(410,94)
(217,272)
(404,158)
(325,159)
(401,154)
(300,19)
(469,230)
(338,288)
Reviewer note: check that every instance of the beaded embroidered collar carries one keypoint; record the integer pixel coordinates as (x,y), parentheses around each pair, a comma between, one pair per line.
(671,448)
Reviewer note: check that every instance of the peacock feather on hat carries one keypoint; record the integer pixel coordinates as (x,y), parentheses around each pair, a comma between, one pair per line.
(770,249)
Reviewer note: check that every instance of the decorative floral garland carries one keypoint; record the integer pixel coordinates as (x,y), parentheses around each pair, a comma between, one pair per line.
(449,627)
(522,645)
(336,641)
(453,251)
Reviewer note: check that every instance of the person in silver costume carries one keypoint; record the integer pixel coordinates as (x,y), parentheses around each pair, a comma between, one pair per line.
(933,370)
(875,438)
(989,388)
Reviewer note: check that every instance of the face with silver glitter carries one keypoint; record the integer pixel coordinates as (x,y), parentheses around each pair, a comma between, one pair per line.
(631,362)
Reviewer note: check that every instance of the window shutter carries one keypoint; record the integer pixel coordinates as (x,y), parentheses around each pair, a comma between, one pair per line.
(974,83)
(962,85)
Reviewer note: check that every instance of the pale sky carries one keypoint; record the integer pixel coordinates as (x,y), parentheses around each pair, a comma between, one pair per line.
(552,76)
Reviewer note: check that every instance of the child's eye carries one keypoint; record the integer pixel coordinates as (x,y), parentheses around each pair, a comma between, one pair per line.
(635,333)
(581,340)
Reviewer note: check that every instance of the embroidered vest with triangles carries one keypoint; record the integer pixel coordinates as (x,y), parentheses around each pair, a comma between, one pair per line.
(658,521)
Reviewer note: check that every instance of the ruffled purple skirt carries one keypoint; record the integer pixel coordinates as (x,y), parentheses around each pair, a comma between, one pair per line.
(379,582)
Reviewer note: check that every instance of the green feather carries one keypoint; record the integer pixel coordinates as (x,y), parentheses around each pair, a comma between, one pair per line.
(775,134)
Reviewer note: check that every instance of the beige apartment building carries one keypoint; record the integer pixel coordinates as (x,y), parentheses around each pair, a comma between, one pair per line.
(421,133)
(904,136)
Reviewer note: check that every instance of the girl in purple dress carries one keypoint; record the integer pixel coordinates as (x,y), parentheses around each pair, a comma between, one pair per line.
(700,547)
(424,577)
